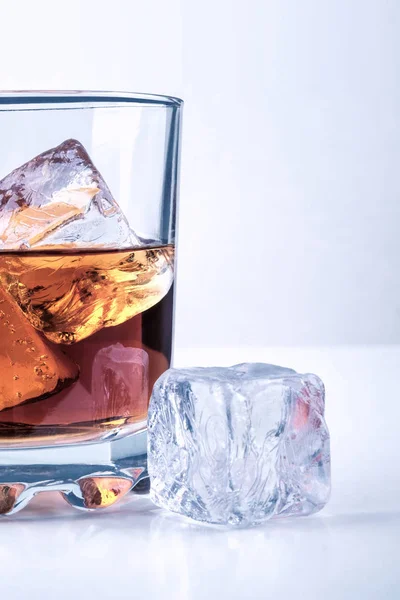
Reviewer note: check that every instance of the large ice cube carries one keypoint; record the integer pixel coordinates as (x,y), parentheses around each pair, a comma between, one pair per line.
(238,445)
(120,384)
(30,367)
(60,199)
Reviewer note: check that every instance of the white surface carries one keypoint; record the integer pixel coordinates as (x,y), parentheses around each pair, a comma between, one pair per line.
(291,146)
(348,551)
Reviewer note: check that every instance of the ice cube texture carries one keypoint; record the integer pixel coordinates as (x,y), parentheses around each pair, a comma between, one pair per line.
(238,445)
(120,382)
(59,199)
(31,369)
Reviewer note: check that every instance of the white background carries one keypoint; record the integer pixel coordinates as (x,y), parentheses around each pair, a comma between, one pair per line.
(289,229)
(289,236)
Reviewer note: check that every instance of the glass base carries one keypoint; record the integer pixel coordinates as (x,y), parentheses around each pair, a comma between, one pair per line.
(89,476)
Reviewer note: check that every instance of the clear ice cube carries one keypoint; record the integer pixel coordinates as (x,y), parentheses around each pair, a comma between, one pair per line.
(238,445)
(60,199)
(120,382)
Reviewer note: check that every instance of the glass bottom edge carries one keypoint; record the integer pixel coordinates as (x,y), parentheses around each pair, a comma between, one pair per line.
(89,476)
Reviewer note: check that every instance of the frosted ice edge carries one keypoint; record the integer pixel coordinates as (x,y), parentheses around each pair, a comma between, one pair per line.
(59,198)
(238,445)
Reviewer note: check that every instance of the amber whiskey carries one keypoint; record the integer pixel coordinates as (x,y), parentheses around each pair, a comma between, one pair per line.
(83,337)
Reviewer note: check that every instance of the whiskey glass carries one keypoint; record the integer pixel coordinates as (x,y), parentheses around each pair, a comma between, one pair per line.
(88,192)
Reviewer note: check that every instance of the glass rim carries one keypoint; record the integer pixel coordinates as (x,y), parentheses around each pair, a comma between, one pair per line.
(41,98)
